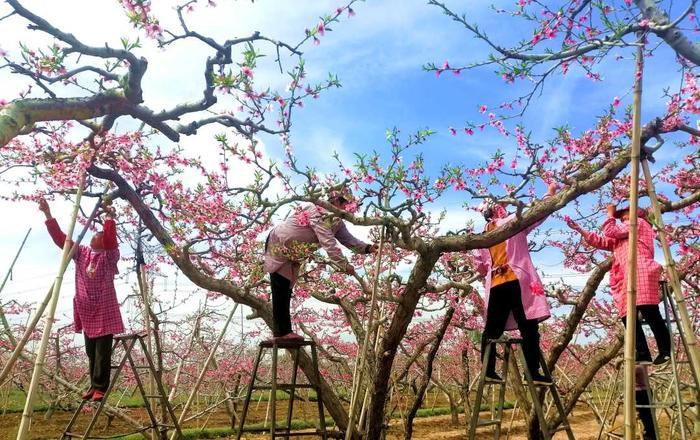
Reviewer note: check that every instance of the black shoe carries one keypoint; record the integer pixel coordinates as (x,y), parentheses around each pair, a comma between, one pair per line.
(538,379)
(492,378)
(662,360)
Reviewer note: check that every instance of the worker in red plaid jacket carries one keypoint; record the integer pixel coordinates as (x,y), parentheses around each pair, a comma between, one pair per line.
(95,307)
(614,239)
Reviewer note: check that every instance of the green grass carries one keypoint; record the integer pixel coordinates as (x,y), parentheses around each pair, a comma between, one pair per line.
(445,410)
(15,402)
(193,434)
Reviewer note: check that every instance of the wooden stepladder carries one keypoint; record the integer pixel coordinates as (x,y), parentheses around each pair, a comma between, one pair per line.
(294,346)
(497,418)
(670,388)
(128,343)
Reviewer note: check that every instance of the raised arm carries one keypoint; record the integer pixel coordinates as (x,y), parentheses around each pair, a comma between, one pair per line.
(593,239)
(52,226)
(109,231)
(614,230)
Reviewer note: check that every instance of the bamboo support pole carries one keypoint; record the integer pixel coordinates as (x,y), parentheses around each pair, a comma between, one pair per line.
(178,371)
(359,369)
(630,406)
(686,323)
(142,279)
(3,319)
(365,400)
(202,373)
(19,346)
(41,354)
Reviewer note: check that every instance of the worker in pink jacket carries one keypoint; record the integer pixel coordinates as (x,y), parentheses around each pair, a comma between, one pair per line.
(514,293)
(614,239)
(95,306)
(294,240)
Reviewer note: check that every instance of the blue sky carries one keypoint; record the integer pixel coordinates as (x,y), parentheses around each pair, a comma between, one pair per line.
(378,56)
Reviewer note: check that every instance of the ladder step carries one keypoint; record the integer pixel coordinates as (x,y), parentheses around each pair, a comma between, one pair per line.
(296,434)
(138,367)
(670,404)
(153,396)
(285,386)
(539,385)
(494,382)
(486,422)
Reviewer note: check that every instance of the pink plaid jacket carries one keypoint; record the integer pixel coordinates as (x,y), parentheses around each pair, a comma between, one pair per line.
(614,239)
(294,240)
(531,289)
(95,306)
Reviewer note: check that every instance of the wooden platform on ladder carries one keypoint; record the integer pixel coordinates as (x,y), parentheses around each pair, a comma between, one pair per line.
(128,343)
(294,347)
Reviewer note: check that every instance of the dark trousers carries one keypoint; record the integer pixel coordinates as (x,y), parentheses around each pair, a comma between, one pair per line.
(652,315)
(281,297)
(645,415)
(99,352)
(503,299)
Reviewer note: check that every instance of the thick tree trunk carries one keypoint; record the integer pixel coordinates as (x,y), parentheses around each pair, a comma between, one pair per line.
(427,373)
(387,351)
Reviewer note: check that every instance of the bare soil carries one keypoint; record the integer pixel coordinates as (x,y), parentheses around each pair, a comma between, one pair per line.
(583,423)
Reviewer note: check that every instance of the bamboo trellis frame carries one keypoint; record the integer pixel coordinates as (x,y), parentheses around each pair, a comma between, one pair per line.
(3,320)
(55,292)
(630,332)
(205,368)
(360,364)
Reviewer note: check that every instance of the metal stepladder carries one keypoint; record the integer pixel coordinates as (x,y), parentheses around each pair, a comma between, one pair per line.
(497,418)
(127,343)
(294,346)
(663,384)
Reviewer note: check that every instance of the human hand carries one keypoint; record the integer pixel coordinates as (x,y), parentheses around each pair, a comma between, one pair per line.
(552,188)
(350,271)
(372,248)
(572,224)
(611,211)
(43,205)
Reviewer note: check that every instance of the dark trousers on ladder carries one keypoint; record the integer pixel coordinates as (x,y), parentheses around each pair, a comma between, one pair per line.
(99,352)
(281,298)
(645,414)
(504,299)
(652,315)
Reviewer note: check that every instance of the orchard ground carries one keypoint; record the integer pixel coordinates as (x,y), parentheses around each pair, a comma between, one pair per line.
(431,427)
